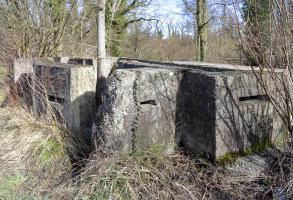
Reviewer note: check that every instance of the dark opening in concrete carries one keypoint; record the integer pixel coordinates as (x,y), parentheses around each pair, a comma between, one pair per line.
(263,97)
(149,102)
(55,99)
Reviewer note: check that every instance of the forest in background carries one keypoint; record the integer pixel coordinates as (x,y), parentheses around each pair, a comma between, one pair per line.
(34,158)
(135,29)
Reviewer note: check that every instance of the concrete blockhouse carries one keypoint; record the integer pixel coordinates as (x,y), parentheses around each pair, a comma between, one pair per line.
(223,112)
(66,91)
(138,110)
(208,109)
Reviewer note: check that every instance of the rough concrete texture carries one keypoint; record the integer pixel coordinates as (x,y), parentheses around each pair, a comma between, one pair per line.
(21,67)
(185,65)
(25,66)
(138,110)
(22,77)
(66,83)
(223,112)
(209,109)
(217,109)
(23,70)
(68,91)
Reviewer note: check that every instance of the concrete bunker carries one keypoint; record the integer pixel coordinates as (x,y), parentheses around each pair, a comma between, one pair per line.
(62,87)
(23,74)
(223,112)
(210,109)
(138,110)
(67,91)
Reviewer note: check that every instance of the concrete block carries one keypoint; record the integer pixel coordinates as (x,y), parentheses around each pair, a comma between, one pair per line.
(22,67)
(66,84)
(208,109)
(138,110)
(220,113)
(68,92)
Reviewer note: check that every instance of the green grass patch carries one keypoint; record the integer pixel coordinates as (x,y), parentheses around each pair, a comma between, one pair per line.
(49,150)
(9,186)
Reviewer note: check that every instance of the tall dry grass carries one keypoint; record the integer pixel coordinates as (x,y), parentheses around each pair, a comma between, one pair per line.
(32,155)
(154,176)
(34,164)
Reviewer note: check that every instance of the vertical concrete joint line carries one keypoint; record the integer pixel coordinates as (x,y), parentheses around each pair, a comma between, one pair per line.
(134,125)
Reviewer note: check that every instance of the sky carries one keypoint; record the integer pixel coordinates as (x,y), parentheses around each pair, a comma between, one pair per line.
(166,11)
(169,6)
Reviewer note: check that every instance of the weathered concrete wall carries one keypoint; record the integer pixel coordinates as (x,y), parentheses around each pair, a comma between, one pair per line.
(138,110)
(81,110)
(21,67)
(67,91)
(62,86)
(223,112)
(25,66)
(65,87)
(210,109)
(218,109)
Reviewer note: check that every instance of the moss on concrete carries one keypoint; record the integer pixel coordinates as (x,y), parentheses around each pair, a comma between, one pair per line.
(232,157)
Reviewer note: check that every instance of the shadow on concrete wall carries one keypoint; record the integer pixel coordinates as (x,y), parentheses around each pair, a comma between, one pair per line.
(249,120)
(195,111)
(213,120)
(208,113)
(76,115)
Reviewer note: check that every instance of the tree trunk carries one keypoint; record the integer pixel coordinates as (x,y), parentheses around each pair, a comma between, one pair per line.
(202,29)
(101,48)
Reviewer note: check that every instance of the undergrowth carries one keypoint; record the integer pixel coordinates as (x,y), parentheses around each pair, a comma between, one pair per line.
(2,77)
(32,155)
(34,164)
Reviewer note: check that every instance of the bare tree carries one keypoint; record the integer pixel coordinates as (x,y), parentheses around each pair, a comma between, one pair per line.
(275,69)
(38,26)
(202,29)
(101,47)
(198,11)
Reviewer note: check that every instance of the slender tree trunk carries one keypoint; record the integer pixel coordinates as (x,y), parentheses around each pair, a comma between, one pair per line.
(101,32)
(101,48)
(224,20)
(202,29)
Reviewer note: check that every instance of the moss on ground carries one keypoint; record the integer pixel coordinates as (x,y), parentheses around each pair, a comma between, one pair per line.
(49,150)
(233,156)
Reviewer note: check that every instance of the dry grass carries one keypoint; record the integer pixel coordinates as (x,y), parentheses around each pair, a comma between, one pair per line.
(32,155)
(2,77)
(34,165)
(153,176)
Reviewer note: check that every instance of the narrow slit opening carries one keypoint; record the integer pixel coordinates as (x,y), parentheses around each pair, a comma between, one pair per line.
(149,102)
(55,99)
(263,97)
